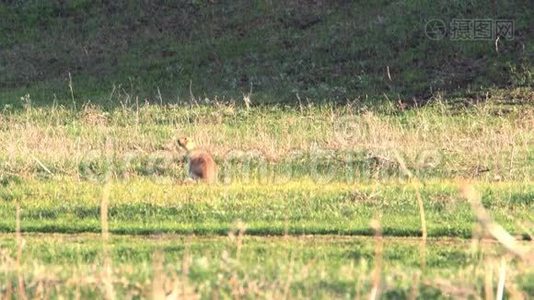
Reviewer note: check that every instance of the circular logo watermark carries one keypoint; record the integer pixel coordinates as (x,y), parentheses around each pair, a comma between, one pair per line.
(435,29)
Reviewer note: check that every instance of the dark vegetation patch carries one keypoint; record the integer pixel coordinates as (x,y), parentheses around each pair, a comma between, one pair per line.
(162,51)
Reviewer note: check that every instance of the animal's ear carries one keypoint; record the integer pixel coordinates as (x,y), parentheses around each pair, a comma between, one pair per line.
(182,141)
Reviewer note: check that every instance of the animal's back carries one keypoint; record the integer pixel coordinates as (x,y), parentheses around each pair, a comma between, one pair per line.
(202,166)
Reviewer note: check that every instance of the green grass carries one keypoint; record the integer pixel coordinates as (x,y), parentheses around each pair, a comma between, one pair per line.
(304,185)
(317,194)
(297,207)
(325,51)
(318,267)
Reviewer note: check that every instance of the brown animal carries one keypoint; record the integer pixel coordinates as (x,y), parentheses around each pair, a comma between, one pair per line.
(201,163)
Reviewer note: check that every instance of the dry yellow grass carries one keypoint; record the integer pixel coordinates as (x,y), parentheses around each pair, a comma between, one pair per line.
(470,143)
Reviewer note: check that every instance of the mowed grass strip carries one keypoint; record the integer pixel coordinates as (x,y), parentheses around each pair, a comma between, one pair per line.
(296,207)
(86,248)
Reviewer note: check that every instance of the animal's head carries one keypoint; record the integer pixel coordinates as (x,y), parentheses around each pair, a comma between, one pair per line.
(186,143)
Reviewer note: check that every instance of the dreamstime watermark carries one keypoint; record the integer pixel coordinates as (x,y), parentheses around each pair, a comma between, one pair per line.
(319,165)
(470,29)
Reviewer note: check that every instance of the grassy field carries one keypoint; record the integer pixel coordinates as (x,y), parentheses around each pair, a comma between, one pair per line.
(321,201)
(296,207)
(257,267)
(359,157)
(293,52)
(352,142)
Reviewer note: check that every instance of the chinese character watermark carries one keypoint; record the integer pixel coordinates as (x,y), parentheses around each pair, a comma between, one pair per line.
(462,29)
(504,29)
(483,29)
(470,29)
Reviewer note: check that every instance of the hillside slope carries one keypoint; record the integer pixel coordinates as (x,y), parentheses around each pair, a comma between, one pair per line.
(319,50)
